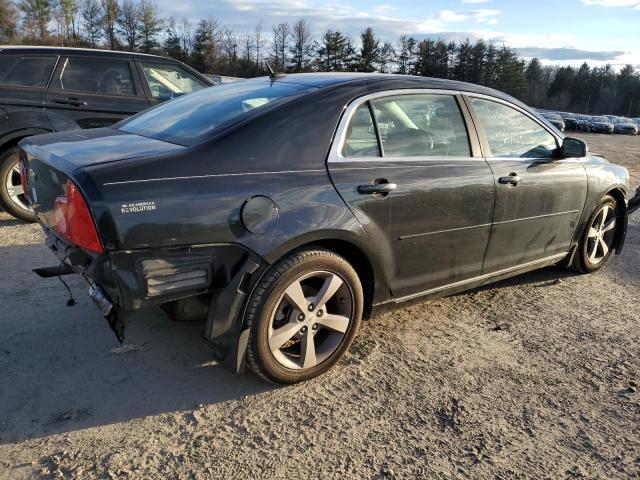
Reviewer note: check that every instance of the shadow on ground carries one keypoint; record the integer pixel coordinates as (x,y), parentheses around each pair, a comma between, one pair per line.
(57,370)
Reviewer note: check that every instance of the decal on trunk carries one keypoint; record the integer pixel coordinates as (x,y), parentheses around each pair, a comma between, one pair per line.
(137,207)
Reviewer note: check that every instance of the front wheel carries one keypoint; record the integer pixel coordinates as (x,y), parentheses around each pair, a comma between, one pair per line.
(12,197)
(596,244)
(303,316)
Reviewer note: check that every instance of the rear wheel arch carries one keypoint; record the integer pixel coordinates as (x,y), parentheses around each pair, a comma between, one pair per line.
(12,139)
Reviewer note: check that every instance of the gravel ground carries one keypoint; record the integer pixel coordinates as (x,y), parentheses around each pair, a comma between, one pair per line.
(528,378)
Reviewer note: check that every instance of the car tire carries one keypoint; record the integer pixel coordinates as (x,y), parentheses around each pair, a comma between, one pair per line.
(595,246)
(288,345)
(10,200)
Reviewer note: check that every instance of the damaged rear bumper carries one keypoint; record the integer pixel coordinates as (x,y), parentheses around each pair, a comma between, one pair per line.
(125,281)
(634,203)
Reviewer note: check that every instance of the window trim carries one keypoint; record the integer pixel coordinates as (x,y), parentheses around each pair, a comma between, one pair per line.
(337,147)
(484,142)
(145,84)
(37,55)
(56,84)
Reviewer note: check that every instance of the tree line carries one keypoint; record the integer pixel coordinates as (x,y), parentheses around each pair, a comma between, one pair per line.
(211,47)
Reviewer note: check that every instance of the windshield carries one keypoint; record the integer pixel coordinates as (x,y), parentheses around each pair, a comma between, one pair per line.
(188,120)
(600,119)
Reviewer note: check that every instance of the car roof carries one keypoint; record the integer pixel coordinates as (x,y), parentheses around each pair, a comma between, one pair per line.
(37,50)
(381,81)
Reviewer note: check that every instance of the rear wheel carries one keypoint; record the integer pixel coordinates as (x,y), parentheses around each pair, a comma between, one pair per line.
(12,197)
(596,244)
(303,316)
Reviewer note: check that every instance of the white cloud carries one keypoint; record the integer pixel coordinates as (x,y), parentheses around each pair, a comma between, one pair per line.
(612,3)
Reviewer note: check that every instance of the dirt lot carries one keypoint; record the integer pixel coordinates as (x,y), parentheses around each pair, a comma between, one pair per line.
(528,378)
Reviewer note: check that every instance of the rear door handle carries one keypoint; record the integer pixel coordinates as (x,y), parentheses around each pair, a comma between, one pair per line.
(372,188)
(511,179)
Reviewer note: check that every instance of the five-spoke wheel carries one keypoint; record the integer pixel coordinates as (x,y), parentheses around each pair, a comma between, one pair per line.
(598,240)
(303,316)
(12,196)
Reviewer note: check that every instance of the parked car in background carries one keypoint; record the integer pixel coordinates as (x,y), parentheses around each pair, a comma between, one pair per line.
(281,211)
(583,123)
(46,89)
(570,121)
(555,120)
(624,126)
(600,124)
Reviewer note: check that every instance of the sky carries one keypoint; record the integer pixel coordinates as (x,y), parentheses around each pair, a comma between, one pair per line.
(558,32)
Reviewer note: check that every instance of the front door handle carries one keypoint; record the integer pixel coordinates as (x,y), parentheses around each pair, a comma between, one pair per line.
(512,179)
(372,188)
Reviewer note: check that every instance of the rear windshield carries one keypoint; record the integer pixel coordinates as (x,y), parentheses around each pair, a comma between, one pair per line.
(190,119)
(20,71)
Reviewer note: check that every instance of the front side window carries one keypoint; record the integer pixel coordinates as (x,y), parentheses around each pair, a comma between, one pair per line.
(512,134)
(361,138)
(19,71)
(102,76)
(169,81)
(421,125)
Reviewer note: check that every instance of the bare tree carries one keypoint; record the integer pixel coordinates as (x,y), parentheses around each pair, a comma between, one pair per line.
(247,47)
(302,47)
(110,15)
(66,14)
(129,25)
(386,57)
(280,45)
(230,44)
(8,21)
(90,12)
(259,42)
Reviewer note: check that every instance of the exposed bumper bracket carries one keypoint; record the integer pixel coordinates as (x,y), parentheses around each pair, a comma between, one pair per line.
(634,203)
(224,330)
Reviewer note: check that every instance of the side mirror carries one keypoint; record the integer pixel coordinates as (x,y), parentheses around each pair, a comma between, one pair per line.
(573,148)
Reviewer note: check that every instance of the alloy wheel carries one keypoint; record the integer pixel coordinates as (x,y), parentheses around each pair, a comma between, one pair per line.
(13,187)
(311,319)
(601,234)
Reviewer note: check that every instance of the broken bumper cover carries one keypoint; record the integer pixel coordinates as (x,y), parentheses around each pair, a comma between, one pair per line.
(634,203)
(124,281)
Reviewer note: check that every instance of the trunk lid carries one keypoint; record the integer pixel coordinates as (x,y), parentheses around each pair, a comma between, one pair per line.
(52,159)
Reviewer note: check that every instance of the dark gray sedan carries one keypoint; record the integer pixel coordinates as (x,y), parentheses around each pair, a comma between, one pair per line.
(284,210)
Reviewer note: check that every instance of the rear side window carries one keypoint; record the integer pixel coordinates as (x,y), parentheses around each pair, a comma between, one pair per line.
(25,71)
(169,81)
(102,76)
(421,125)
(188,120)
(511,134)
(361,138)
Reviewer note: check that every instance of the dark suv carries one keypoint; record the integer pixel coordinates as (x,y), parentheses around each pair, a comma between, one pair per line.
(53,89)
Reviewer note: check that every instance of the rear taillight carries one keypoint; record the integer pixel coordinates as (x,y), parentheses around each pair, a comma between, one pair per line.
(23,179)
(73,220)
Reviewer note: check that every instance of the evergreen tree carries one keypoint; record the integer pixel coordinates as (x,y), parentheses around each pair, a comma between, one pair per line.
(110,15)
(90,13)
(37,15)
(150,26)
(369,50)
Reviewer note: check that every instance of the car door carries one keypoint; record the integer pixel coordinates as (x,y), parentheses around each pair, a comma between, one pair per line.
(539,197)
(416,181)
(93,92)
